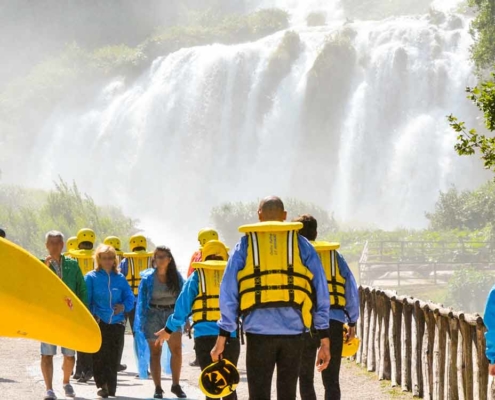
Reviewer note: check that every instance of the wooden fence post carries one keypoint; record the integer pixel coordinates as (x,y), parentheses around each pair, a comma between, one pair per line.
(378,329)
(371,333)
(452,385)
(467,355)
(394,338)
(406,346)
(439,356)
(384,371)
(366,326)
(417,333)
(360,325)
(481,361)
(427,352)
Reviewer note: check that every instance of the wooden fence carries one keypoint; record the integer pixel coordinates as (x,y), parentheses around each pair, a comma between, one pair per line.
(393,263)
(431,351)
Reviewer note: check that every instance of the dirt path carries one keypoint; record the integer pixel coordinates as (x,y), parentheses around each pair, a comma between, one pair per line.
(20,377)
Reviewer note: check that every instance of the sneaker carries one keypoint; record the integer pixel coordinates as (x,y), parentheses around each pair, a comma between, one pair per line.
(102,393)
(158,393)
(50,395)
(77,375)
(121,367)
(69,390)
(194,363)
(177,390)
(82,379)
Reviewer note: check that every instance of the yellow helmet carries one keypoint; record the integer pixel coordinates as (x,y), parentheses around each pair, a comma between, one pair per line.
(219,379)
(207,234)
(214,248)
(350,347)
(113,241)
(86,235)
(137,241)
(71,243)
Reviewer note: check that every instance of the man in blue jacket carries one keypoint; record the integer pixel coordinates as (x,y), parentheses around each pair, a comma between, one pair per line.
(274,332)
(338,316)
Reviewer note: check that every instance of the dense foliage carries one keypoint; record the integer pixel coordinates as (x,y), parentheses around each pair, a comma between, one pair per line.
(28,214)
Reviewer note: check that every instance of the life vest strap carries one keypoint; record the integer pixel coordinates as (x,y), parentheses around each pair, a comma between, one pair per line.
(197,310)
(273,304)
(275,271)
(336,283)
(259,289)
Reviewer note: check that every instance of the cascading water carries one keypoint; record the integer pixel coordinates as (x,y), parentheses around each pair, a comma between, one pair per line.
(350,116)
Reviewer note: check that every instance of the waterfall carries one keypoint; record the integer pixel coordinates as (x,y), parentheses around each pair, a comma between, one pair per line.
(350,116)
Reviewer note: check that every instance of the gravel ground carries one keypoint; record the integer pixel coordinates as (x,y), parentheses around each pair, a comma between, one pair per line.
(20,377)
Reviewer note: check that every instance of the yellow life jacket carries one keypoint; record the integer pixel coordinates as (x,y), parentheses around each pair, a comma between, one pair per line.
(138,262)
(206,306)
(336,282)
(84,259)
(274,275)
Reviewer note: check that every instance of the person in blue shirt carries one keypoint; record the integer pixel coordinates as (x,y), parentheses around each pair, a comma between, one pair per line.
(109,296)
(158,291)
(273,333)
(489,320)
(338,316)
(205,314)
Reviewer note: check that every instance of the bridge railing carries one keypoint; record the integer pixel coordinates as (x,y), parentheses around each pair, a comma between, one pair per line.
(431,351)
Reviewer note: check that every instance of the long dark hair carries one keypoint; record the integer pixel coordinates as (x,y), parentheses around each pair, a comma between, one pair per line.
(172,274)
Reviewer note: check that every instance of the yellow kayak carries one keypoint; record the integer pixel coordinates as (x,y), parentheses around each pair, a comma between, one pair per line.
(36,304)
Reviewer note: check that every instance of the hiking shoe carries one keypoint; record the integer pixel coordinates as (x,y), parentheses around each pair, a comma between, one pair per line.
(177,390)
(194,363)
(102,393)
(121,367)
(158,393)
(69,390)
(50,395)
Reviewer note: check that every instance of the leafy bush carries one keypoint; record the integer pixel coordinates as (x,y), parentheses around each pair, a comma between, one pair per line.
(471,210)
(468,289)
(229,216)
(28,214)
(215,29)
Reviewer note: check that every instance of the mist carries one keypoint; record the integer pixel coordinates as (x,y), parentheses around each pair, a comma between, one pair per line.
(346,112)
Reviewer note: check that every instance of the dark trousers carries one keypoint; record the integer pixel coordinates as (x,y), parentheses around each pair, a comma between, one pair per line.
(330,376)
(307,368)
(203,346)
(263,353)
(84,364)
(106,360)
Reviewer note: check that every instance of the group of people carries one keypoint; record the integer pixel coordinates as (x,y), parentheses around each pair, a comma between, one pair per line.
(289,295)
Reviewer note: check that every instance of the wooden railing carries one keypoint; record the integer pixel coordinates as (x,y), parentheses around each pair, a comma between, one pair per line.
(431,351)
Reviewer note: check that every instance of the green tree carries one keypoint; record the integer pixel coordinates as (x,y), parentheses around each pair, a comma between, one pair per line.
(470,141)
(483,32)
(466,210)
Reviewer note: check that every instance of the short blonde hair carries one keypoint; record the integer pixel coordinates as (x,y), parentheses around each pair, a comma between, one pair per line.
(105,249)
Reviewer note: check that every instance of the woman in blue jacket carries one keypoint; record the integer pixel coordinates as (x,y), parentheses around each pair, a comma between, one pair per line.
(199,297)
(109,296)
(157,294)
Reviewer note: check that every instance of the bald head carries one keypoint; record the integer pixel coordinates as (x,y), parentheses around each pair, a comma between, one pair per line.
(271,208)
